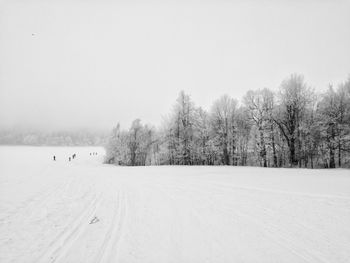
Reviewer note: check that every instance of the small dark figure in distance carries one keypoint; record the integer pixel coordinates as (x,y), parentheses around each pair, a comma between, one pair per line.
(54,158)
(73,156)
(69,158)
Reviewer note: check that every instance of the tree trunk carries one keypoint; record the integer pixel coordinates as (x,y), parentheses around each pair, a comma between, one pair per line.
(339,154)
(331,148)
(312,162)
(292,152)
(234,161)
(331,157)
(306,160)
(226,159)
(273,148)
(262,148)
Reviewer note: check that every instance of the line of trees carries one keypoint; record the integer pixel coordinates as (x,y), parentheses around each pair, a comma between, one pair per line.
(294,127)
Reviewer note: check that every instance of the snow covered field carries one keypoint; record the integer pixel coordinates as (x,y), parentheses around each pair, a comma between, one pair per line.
(85,211)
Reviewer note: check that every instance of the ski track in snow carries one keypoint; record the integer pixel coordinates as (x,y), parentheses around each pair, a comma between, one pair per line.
(70,234)
(167,214)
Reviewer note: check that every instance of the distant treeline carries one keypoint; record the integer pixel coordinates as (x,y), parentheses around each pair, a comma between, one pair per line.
(63,138)
(294,127)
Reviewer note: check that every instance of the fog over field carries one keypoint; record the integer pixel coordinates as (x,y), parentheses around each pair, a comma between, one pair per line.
(174,131)
(91,64)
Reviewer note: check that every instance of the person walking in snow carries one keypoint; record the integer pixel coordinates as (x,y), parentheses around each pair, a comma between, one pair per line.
(54,158)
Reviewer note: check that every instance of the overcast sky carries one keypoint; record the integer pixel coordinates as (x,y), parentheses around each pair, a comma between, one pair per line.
(90,64)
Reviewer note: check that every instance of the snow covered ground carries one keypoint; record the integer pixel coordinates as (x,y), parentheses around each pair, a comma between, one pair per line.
(85,211)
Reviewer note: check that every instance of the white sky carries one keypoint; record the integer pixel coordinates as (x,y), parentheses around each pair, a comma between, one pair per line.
(75,64)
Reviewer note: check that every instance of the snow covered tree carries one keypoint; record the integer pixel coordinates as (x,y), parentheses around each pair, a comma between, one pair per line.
(343,121)
(243,126)
(293,128)
(203,146)
(334,120)
(259,105)
(223,125)
(185,110)
(134,140)
(116,148)
(133,147)
(294,96)
(178,132)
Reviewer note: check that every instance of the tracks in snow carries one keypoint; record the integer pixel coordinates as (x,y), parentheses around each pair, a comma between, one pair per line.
(61,244)
(78,228)
(109,248)
(146,217)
